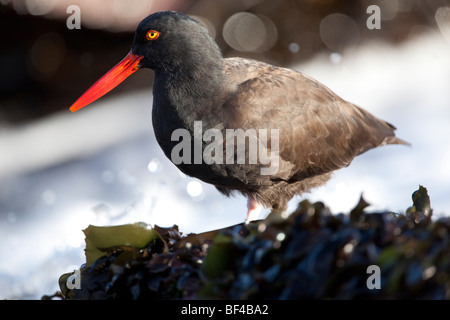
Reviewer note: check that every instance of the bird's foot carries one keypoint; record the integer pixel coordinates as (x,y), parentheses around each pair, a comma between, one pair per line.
(254,209)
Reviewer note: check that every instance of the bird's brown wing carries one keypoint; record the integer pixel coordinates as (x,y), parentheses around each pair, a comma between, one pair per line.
(318,131)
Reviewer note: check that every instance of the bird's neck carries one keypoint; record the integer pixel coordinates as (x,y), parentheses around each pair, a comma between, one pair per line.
(189,92)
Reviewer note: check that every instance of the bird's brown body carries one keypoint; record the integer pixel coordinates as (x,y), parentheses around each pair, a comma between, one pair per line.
(317,131)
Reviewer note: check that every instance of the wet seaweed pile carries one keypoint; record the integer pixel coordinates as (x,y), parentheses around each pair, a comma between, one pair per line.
(309,254)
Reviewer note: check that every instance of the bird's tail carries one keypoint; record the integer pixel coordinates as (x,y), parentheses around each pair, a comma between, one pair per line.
(392,139)
(395,140)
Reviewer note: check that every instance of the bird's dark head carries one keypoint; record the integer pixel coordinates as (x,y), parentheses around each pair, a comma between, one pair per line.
(165,41)
(170,40)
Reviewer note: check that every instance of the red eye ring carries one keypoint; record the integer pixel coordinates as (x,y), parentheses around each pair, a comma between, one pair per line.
(152,35)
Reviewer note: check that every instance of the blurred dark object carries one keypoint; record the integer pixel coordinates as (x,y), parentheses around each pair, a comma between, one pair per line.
(311,254)
(45,66)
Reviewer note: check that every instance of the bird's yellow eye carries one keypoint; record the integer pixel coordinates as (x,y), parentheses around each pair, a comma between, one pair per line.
(152,35)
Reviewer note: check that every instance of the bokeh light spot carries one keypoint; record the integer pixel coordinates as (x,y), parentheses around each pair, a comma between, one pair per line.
(338,31)
(294,47)
(194,189)
(39,7)
(248,32)
(47,54)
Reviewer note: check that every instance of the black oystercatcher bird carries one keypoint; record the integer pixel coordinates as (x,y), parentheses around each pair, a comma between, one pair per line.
(303,130)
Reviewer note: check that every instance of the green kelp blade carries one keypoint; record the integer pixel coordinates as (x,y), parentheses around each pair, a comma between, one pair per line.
(219,255)
(98,239)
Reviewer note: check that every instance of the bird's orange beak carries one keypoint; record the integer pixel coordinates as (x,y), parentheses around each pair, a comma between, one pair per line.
(109,81)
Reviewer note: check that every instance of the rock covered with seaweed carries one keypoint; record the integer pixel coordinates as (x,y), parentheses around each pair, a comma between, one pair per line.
(308,254)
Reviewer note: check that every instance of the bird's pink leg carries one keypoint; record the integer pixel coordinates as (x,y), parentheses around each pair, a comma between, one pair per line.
(254,208)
